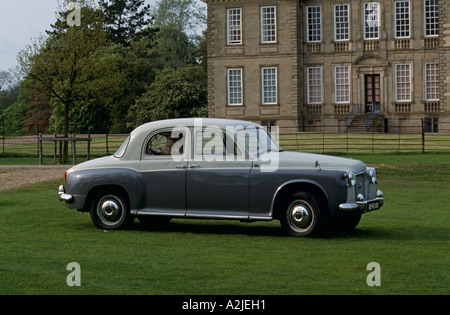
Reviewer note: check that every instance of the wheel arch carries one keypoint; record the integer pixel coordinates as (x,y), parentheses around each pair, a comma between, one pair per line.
(107,187)
(297,185)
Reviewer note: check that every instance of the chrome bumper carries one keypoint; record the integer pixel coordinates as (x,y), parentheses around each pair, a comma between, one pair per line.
(364,205)
(62,196)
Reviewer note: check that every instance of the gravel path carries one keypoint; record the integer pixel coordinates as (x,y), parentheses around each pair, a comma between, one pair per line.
(15,176)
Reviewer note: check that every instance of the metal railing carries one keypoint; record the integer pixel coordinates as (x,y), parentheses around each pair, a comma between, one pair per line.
(376,110)
(356,110)
(49,149)
(416,137)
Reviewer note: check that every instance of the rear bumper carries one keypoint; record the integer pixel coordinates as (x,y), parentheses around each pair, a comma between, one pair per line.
(364,205)
(62,196)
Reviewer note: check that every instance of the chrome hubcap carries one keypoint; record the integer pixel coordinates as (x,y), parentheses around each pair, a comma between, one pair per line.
(110,210)
(300,215)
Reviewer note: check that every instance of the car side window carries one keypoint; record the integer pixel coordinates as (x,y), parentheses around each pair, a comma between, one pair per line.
(165,143)
(209,142)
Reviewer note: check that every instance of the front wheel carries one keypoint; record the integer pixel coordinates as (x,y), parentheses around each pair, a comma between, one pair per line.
(110,210)
(303,215)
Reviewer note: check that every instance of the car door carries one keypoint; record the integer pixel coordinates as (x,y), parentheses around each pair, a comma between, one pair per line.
(163,168)
(217,177)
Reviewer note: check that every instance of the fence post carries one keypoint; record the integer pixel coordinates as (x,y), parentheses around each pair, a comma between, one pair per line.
(107,151)
(346,138)
(89,147)
(323,136)
(55,150)
(37,143)
(423,138)
(74,149)
(373,140)
(40,149)
(60,152)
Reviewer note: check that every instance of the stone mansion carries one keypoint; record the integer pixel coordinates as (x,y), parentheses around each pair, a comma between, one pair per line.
(324,65)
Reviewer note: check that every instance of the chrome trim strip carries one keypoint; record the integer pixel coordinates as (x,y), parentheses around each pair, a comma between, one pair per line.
(201,215)
(158,213)
(268,218)
(216,216)
(294,181)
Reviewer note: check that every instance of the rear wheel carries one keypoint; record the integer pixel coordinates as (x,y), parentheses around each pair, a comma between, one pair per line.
(303,215)
(110,210)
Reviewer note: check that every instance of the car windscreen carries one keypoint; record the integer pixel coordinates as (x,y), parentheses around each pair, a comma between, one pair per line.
(256,140)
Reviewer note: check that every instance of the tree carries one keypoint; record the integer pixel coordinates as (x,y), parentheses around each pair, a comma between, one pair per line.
(180,24)
(9,92)
(129,27)
(6,80)
(175,93)
(8,97)
(125,18)
(139,71)
(38,113)
(172,49)
(73,69)
(12,118)
(182,15)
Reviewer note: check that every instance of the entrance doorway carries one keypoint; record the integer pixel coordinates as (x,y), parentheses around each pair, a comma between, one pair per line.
(372,92)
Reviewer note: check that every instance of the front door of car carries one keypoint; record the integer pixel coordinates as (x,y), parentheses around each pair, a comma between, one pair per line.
(217,177)
(163,168)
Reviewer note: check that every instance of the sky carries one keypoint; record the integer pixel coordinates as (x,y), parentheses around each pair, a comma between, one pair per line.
(20,22)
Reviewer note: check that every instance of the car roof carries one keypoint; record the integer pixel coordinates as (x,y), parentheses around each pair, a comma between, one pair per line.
(139,134)
(193,122)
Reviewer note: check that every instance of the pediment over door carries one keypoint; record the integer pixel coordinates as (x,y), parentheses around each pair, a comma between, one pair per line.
(371,60)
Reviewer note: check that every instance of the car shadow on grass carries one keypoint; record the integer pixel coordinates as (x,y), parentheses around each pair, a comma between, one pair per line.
(218,227)
(273,229)
(210,227)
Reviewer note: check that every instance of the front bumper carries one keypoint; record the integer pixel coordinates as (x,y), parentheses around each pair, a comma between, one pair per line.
(62,196)
(364,205)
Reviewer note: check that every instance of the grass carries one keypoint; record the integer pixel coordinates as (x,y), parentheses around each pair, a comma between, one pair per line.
(408,237)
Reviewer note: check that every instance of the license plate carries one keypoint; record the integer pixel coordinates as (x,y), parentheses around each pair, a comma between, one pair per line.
(373,206)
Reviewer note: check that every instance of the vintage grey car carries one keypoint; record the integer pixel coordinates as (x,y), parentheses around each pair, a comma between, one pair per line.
(220,169)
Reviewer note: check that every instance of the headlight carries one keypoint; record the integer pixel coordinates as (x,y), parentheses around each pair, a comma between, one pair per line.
(351,179)
(372,173)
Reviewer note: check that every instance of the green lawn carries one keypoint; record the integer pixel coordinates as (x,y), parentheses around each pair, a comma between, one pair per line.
(409,238)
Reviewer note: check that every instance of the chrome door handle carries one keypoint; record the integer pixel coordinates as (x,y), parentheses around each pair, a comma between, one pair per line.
(194,166)
(180,166)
